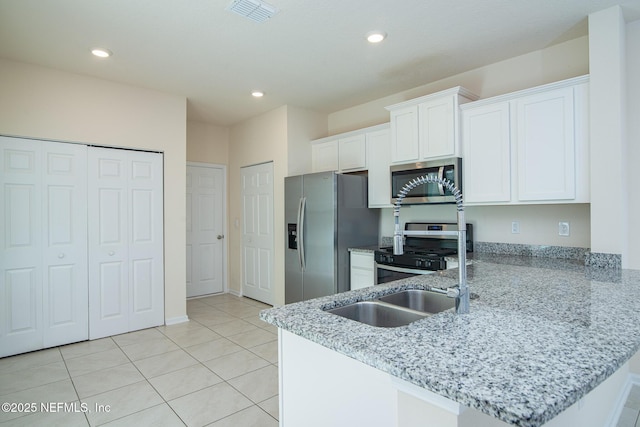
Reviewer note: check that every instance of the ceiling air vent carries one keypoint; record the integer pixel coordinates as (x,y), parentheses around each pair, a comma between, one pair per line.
(255,10)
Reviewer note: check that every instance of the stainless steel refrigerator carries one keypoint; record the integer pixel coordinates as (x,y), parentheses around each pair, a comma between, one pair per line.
(325,214)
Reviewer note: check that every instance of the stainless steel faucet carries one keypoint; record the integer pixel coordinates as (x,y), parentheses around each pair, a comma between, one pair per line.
(461,291)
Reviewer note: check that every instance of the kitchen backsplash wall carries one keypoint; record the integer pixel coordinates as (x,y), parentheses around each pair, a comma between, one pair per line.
(538,224)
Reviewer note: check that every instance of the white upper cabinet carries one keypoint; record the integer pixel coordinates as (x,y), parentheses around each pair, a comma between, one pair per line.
(427,127)
(405,146)
(379,149)
(365,149)
(530,146)
(352,153)
(324,156)
(546,146)
(486,164)
(343,154)
(437,127)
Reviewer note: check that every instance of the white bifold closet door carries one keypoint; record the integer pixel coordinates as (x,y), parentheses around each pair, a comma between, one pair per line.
(43,244)
(126,272)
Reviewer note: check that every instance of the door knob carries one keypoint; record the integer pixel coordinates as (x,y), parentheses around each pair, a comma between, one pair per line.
(220,236)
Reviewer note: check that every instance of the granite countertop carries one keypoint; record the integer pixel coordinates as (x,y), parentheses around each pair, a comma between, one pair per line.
(365,249)
(541,335)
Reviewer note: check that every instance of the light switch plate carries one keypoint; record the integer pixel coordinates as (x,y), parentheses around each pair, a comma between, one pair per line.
(515,227)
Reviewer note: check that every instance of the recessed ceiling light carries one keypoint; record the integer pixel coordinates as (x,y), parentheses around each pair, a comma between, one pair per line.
(376,36)
(101,53)
(257,94)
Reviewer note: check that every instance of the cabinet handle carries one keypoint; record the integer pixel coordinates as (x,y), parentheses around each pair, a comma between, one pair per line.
(111,253)
(60,255)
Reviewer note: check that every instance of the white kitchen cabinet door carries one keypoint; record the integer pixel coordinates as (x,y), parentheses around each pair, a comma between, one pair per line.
(437,128)
(43,268)
(379,180)
(352,153)
(324,156)
(126,283)
(546,146)
(405,146)
(487,154)
(65,290)
(362,267)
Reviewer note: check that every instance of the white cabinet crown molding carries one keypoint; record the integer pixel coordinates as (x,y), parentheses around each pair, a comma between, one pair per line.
(529,91)
(458,90)
(350,133)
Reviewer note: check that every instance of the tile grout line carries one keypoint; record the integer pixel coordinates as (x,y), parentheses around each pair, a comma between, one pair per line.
(219,307)
(225,381)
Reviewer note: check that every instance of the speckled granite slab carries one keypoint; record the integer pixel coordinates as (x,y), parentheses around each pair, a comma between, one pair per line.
(545,251)
(601,260)
(541,335)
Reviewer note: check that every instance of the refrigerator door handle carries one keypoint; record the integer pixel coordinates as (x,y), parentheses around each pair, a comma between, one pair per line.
(300,237)
(301,211)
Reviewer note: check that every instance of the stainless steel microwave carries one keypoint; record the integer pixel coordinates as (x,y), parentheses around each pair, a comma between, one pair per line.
(450,168)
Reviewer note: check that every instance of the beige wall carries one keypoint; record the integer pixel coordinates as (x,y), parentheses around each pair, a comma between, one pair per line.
(257,140)
(207,143)
(538,224)
(607,109)
(303,126)
(558,62)
(44,103)
(633,144)
(273,136)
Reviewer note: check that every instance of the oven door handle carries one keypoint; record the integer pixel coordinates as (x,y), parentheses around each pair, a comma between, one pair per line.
(403,269)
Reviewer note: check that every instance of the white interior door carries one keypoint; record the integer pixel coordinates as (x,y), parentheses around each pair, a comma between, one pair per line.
(257,232)
(21,251)
(43,244)
(205,229)
(146,249)
(126,271)
(108,246)
(65,289)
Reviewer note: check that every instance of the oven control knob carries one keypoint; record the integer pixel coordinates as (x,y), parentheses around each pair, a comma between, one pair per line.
(418,263)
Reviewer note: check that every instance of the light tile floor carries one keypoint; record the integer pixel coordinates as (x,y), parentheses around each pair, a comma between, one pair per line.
(219,369)
(630,415)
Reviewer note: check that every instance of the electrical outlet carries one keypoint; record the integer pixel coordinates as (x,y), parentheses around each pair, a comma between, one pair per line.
(564,228)
(515,227)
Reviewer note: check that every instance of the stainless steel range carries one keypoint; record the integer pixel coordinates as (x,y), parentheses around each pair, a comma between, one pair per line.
(422,254)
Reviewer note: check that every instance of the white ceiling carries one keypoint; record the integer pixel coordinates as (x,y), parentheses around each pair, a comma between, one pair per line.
(311,54)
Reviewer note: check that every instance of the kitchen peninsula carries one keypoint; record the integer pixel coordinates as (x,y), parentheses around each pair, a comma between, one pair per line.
(548,342)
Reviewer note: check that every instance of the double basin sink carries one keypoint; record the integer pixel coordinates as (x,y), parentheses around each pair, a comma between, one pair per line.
(398,309)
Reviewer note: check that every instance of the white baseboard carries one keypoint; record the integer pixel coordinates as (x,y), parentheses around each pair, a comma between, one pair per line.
(176,320)
(632,379)
(235,293)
